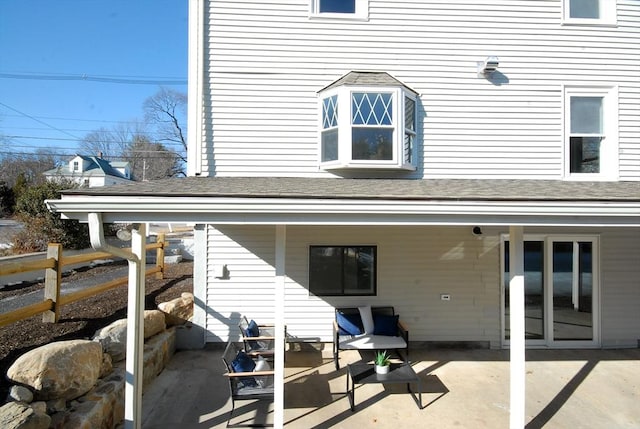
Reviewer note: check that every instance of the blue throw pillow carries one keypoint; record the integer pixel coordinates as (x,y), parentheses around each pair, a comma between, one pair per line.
(348,324)
(253,330)
(243,363)
(385,325)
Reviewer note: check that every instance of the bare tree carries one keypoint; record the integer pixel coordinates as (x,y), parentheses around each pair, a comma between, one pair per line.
(166,110)
(27,168)
(111,143)
(150,161)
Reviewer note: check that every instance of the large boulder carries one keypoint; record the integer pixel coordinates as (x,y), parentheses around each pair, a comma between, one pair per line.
(113,337)
(178,311)
(65,369)
(153,323)
(18,415)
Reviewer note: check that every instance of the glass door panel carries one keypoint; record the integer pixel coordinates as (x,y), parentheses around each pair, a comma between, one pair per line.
(533,289)
(572,285)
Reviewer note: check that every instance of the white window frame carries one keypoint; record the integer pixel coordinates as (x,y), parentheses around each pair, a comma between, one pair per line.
(361,12)
(400,158)
(609,147)
(608,9)
(549,341)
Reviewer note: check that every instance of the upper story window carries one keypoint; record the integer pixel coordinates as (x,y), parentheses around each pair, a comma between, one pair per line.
(368,120)
(76,166)
(340,9)
(591,126)
(589,12)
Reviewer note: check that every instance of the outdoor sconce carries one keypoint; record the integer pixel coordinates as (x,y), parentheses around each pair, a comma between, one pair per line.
(488,66)
(477,231)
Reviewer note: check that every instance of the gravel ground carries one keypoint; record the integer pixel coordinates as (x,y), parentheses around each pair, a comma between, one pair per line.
(82,318)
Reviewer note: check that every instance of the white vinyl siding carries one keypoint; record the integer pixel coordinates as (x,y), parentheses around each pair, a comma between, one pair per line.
(415,266)
(411,280)
(267,60)
(620,287)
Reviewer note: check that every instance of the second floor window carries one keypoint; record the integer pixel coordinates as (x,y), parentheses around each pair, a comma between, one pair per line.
(589,11)
(368,126)
(591,123)
(340,9)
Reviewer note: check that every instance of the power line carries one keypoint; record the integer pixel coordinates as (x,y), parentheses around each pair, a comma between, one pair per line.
(167,143)
(129,80)
(38,120)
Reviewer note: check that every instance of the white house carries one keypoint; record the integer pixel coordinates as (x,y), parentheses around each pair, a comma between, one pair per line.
(92,171)
(474,164)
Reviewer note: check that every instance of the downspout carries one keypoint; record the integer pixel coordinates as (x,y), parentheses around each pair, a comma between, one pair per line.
(135,313)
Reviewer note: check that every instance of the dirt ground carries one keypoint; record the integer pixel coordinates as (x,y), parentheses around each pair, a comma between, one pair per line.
(81,319)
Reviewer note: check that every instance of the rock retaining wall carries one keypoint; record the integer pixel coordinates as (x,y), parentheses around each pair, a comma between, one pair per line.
(80,384)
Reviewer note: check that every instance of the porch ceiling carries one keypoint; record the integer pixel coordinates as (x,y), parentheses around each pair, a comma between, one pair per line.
(268,200)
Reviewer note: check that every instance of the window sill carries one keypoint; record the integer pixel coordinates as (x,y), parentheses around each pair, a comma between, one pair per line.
(338,17)
(588,23)
(387,167)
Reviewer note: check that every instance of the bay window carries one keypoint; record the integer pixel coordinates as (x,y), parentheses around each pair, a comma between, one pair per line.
(367,126)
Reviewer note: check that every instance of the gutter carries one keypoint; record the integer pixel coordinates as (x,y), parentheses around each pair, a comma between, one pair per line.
(135,313)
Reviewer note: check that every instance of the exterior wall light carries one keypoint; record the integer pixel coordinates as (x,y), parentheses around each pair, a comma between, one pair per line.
(488,66)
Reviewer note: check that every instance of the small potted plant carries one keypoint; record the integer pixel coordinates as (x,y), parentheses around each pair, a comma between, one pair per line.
(382,362)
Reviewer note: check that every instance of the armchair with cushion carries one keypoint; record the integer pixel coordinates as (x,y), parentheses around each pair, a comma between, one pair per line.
(249,378)
(257,339)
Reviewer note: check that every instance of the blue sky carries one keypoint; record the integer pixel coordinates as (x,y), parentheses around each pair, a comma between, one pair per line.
(48,46)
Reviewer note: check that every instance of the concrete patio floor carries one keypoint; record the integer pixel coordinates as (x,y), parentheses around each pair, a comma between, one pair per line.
(461,389)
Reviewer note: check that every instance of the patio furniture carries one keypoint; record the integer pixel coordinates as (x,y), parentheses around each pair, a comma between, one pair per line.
(249,379)
(382,330)
(257,339)
(399,373)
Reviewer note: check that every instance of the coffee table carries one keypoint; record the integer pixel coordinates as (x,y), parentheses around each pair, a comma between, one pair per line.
(399,373)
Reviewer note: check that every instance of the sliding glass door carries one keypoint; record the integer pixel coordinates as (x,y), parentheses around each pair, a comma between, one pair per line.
(561,284)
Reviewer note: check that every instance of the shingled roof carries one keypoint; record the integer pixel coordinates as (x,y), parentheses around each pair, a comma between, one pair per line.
(389,189)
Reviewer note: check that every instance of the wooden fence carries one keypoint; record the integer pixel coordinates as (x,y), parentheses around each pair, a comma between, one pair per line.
(53,265)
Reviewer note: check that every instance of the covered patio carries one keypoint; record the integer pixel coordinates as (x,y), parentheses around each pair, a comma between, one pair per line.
(461,388)
(286,203)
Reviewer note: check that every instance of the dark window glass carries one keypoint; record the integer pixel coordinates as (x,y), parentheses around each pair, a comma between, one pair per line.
(337,6)
(342,270)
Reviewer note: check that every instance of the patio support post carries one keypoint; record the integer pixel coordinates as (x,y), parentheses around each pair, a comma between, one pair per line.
(135,313)
(516,328)
(279,296)
(135,332)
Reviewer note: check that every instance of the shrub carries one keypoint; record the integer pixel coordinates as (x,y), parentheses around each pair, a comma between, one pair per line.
(42,226)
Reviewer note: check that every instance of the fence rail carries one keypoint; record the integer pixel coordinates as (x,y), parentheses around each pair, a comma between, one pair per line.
(53,264)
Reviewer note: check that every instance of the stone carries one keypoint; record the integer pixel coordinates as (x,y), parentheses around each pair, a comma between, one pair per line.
(154,323)
(158,351)
(178,311)
(20,394)
(18,415)
(113,338)
(40,407)
(64,369)
(55,405)
(101,407)
(107,365)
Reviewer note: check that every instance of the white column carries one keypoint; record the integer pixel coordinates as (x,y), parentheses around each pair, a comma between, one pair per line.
(135,331)
(516,327)
(279,296)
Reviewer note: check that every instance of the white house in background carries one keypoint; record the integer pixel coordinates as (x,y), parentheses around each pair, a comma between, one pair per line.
(474,164)
(92,171)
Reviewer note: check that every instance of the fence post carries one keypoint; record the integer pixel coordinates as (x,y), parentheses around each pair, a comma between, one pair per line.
(160,255)
(52,282)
